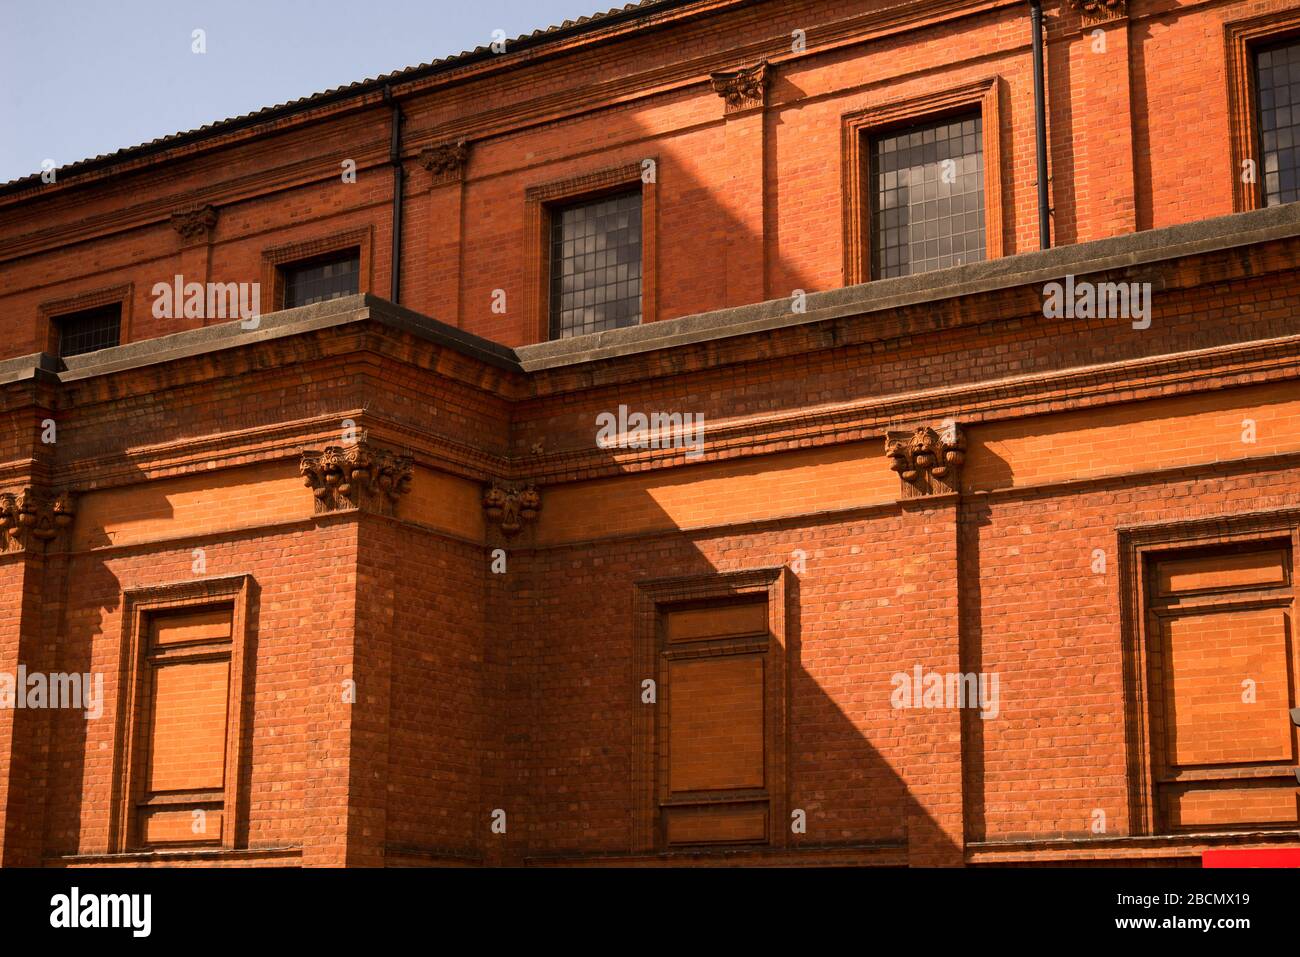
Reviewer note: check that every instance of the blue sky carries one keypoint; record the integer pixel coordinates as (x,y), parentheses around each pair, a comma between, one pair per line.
(87,77)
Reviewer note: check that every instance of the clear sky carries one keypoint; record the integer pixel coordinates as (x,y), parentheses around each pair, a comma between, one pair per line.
(86,77)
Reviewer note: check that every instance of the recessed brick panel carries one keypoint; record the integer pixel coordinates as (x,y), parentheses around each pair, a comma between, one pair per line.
(716,825)
(187,733)
(178,827)
(1209,657)
(208,624)
(719,621)
(716,723)
(1222,571)
(1228,807)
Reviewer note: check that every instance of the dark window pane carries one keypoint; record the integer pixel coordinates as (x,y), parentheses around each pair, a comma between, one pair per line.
(927,190)
(1277,74)
(90,329)
(596,265)
(322,279)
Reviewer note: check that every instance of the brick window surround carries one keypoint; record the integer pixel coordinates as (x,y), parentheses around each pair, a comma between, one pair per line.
(183,608)
(856,131)
(275,259)
(674,814)
(49,312)
(1193,765)
(539,202)
(1242,38)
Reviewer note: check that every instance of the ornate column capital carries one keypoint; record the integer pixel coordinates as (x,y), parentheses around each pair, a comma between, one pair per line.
(446,161)
(1097,11)
(510,506)
(357,476)
(928,461)
(196,224)
(32,518)
(742,89)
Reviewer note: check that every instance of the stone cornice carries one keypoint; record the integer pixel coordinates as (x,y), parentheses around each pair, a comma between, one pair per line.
(873,312)
(364,332)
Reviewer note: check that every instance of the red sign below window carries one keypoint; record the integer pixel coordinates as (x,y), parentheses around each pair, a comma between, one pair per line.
(1252,857)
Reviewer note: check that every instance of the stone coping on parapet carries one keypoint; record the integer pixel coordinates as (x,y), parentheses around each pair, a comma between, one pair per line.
(1026,269)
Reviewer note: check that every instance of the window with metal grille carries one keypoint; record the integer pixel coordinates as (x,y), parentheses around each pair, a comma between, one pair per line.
(596,265)
(322,279)
(927,197)
(1277,80)
(89,329)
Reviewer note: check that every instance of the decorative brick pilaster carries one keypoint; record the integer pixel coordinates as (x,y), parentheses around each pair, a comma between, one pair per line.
(438,292)
(931,637)
(744,197)
(24,732)
(195,226)
(928,461)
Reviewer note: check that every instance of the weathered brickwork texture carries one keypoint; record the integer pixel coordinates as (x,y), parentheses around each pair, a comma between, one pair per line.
(447,605)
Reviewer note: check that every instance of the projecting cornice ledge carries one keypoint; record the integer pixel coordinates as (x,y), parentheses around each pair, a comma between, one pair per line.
(334,314)
(1033,269)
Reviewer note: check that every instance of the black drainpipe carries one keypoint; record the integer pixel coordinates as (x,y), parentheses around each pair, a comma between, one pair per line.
(1040,126)
(395,158)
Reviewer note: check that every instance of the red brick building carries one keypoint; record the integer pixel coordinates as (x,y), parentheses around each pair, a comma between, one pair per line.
(733,481)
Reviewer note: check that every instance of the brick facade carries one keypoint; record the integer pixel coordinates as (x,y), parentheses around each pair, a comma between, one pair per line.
(466,632)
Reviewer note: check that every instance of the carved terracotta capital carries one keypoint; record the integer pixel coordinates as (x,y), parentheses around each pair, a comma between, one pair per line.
(446,161)
(742,89)
(358,476)
(509,507)
(1101,9)
(928,461)
(32,518)
(195,224)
